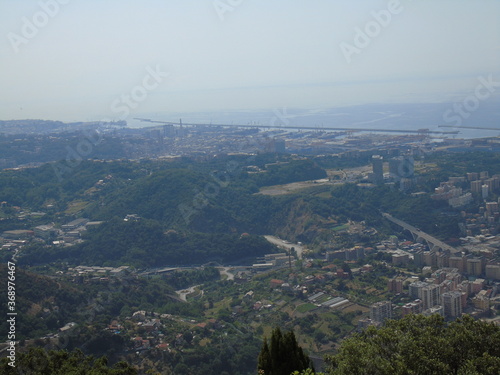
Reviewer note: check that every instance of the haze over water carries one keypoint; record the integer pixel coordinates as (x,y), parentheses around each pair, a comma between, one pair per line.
(78,61)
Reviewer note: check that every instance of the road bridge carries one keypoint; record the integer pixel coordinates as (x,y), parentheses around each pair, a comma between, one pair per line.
(419,236)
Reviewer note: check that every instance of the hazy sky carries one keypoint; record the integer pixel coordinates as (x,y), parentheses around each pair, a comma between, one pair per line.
(78,60)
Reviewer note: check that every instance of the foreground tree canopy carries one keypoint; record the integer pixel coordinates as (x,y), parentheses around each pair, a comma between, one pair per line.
(283,355)
(421,345)
(38,361)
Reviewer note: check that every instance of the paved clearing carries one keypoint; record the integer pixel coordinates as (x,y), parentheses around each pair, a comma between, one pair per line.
(287,246)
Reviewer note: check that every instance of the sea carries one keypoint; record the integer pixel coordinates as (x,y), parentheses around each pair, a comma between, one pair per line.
(469,119)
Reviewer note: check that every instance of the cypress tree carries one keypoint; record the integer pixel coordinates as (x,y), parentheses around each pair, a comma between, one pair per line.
(264,361)
(283,356)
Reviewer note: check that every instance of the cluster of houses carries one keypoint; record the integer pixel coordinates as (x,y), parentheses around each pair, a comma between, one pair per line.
(150,335)
(96,273)
(67,234)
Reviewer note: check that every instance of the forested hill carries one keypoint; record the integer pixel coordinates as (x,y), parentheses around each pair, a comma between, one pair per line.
(189,212)
(194,212)
(44,304)
(36,298)
(145,244)
(50,183)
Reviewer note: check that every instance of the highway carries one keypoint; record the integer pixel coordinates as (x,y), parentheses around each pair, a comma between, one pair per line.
(427,237)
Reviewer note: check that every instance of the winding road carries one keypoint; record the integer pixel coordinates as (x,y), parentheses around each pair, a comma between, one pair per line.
(183,293)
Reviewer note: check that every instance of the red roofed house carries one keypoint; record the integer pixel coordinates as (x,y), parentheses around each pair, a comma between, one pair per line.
(275,283)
